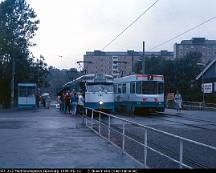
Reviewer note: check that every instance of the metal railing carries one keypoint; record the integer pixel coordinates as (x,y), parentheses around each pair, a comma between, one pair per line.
(199,105)
(137,141)
(193,105)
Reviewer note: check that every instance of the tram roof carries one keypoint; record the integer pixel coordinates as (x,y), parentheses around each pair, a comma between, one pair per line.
(140,77)
(86,77)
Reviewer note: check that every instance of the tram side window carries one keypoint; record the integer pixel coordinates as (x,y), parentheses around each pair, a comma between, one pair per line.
(132,87)
(124,88)
(138,87)
(115,88)
(119,88)
(160,88)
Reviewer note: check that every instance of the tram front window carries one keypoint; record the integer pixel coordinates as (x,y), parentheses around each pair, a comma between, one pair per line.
(152,87)
(96,87)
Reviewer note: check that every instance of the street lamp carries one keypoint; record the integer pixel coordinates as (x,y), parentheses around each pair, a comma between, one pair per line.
(203,92)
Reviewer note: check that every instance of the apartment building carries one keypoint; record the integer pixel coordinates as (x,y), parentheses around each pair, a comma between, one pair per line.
(206,47)
(117,63)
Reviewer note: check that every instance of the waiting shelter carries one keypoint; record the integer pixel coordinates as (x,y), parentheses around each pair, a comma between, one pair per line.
(27,95)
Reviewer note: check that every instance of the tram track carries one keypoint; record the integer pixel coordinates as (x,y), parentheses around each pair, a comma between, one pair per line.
(189,120)
(187,160)
(155,117)
(193,119)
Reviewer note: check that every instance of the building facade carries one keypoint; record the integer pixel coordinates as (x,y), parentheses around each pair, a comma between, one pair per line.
(117,63)
(206,47)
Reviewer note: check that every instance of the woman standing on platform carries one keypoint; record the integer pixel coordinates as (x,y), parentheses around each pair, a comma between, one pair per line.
(178,101)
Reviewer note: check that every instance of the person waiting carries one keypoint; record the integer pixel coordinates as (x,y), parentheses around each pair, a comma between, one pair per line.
(74,101)
(80,104)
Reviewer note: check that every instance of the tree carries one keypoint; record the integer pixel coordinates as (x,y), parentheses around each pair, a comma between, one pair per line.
(57,78)
(18,25)
(186,71)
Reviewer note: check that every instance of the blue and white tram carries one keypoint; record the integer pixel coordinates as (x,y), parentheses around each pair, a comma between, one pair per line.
(137,91)
(97,89)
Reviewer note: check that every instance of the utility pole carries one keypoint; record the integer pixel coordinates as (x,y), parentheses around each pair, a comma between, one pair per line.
(143,59)
(132,63)
(12,81)
(85,65)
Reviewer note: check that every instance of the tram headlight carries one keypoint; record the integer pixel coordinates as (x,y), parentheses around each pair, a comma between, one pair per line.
(100,102)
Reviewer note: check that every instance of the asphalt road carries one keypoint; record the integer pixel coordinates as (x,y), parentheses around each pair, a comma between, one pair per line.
(47,138)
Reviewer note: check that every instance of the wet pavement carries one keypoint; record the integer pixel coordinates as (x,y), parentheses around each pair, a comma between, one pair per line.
(46,138)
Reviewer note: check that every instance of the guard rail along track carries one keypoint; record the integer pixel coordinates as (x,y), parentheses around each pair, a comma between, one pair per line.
(148,146)
(194,106)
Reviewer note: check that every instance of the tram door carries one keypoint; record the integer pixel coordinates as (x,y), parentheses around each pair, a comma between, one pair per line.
(27,95)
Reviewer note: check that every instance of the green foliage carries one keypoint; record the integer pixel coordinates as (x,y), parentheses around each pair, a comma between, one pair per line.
(57,78)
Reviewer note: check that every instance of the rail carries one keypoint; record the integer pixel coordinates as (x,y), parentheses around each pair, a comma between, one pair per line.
(118,131)
(199,105)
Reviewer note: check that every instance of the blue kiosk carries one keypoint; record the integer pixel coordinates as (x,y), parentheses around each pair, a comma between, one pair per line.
(27,95)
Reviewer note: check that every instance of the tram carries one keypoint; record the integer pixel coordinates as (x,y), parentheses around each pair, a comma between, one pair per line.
(97,90)
(139,92)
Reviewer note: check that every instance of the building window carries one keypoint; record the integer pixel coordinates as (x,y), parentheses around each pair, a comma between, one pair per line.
(115,67)
(115,58)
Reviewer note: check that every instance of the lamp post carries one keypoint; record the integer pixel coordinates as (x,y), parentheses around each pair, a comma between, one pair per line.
(143,59)
(203,92)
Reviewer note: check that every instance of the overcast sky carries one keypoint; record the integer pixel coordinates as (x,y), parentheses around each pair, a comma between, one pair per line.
(71,27)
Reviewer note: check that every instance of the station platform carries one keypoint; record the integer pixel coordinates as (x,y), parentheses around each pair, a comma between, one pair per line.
(47,138)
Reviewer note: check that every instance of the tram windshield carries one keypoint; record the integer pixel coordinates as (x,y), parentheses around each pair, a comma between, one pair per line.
(149,87)
(99,87)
